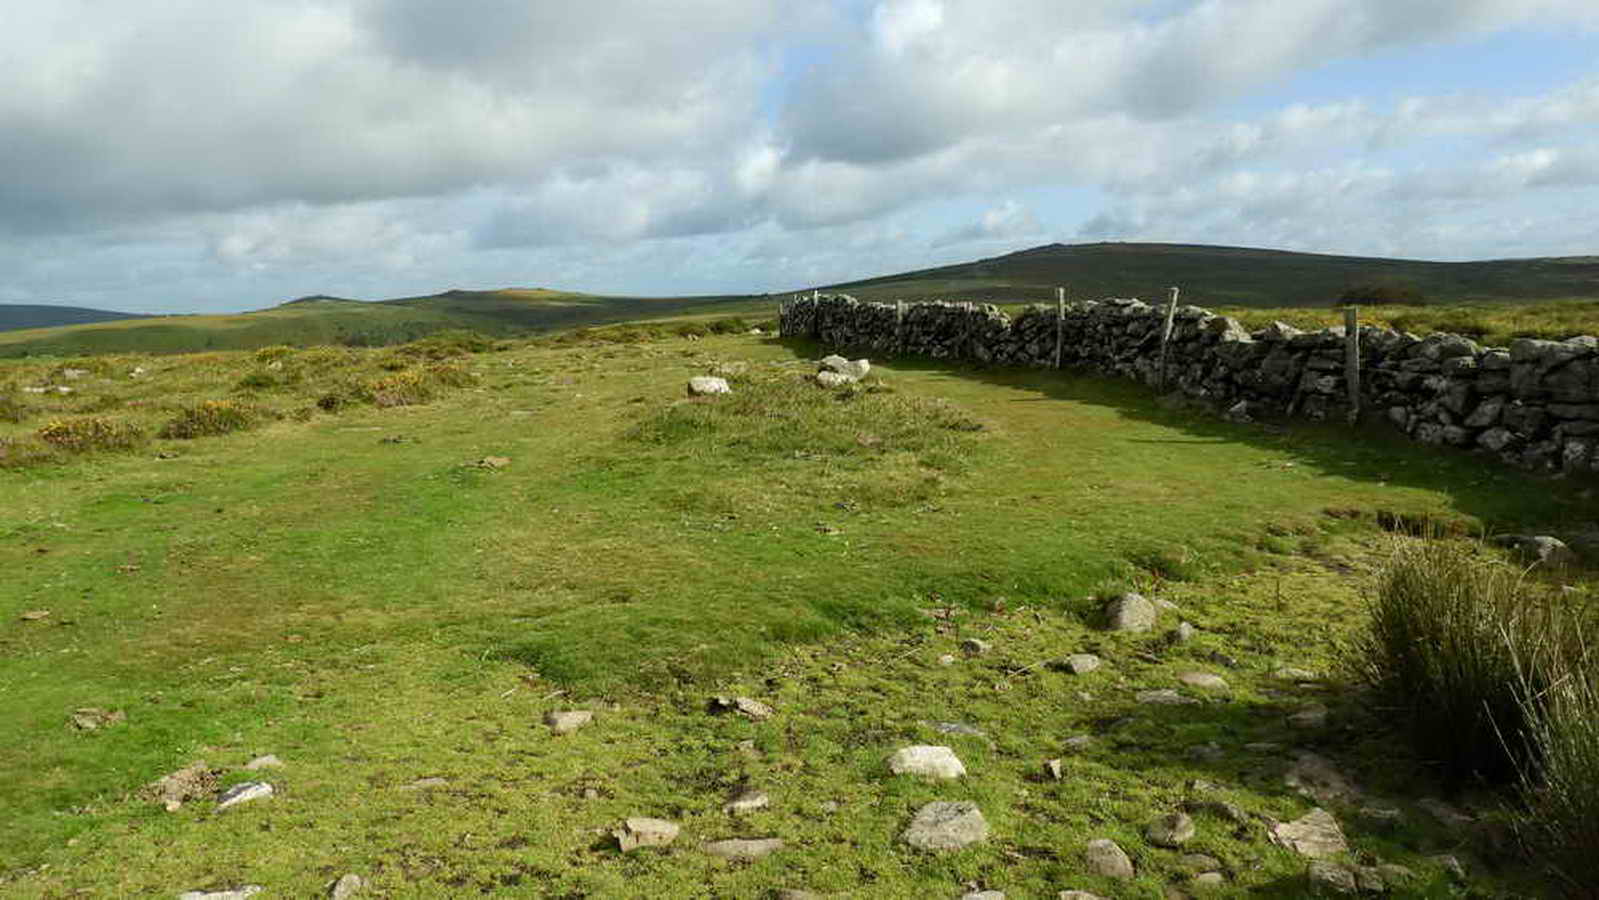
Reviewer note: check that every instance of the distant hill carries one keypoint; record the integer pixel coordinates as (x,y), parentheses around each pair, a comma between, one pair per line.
(322,319)
(32,315)
(1227,276)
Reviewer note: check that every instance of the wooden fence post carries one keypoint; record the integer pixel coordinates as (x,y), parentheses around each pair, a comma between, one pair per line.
(1060,321)
(1165,338)
(1352,360)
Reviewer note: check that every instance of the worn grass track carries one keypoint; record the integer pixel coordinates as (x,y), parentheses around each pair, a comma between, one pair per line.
(356,594)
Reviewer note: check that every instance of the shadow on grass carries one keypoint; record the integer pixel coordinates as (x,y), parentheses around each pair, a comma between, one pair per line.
(1486,495)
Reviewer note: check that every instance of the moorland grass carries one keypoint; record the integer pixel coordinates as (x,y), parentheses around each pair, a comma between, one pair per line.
(362,595)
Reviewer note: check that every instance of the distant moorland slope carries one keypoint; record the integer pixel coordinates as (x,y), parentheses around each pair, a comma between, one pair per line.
(14,316)
(1229,276)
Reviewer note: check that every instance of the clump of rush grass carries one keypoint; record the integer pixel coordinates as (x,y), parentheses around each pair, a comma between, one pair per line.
(87,434)
(1440,652)
(210,418)
(1558,682)
(14,410)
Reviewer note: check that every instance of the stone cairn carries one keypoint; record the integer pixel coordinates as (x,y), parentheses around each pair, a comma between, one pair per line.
(1534,404)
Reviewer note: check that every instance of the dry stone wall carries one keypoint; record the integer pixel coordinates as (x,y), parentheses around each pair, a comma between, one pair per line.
(1534,404)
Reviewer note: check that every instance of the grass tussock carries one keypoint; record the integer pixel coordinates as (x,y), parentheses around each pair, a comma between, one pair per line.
(88,434)
(1560,784)
(13,410)
(210,418)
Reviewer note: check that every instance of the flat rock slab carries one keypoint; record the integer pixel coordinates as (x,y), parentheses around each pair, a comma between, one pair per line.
(93,718)
(1105,857)
(1317,778)
(266,761)
(642,831)
(1315,834)
(1203,680)
(1077,895)
(346,887)
(1171,830)
(946,825)
(983,895)
(1081,663)
(930,762)
(747,802)
(833,379)
(1130,612)
(960,728)
(1163,697)
(567,721)
(740,850)
(238,893)
(244,793)
(705,385)
(747,707)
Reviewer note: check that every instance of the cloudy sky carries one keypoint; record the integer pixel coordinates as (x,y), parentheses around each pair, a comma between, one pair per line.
(195,155)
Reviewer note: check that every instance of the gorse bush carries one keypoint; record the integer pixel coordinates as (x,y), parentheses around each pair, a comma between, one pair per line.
(89,433)
(407,388)
(210,418)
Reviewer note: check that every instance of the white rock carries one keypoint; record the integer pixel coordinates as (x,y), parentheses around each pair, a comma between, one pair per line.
(744,850)
(642,831)
(1082,663)
(702,385)
(238,893)
(746,802)
(568,721)
(1105,857)
(946,825)
(932,762)
(244,793)
(269,761)
(1315,834)
(1203,680)
(833,379)
(1130,612)
(346,887)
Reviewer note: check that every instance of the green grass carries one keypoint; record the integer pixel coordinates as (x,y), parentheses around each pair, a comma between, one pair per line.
(363,595)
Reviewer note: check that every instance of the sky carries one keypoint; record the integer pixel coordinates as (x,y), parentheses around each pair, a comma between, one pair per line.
(196,156)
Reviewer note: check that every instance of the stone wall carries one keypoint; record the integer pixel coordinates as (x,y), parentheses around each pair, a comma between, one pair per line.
(1534,404)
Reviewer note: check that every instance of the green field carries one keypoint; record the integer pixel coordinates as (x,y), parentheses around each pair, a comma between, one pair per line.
(383,592)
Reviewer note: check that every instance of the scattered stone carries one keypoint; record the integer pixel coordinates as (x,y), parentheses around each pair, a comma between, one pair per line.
(1081,663)
(1208,880)
(238,893)
(1203,680)
(947,659)
(932,762)
(1130,612)
(1289,673)
(854,370)
(1207,752)
(93,718)
(747,802)
(1331,877)
(493,462)
(243,793)
(1382,817)
(1311,716)
(744,706)
(1171,830)
(1263,747)
(641,831)
(946,825)
(1053,768)
(567,721)
(957,728)
(1077,895)
(1316,777)
(34,615)
(346,887)
(1451,864)
(1444,813)
(192,782)
(975,647)
(1222,659)
(73,374)
(705,385)
(983,895)
(267,761)
(1163,697)
(833,379)
(1392,874)
(1315,834)
(1183,633)
(1105,857)
(426,784)
(1541,549)
(1219,808)
(739,850)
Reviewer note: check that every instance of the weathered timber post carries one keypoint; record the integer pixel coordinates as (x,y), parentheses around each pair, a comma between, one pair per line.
(899,327)
(1352,360)
(1165,338)
(1060,321)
